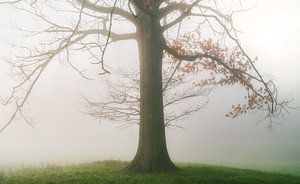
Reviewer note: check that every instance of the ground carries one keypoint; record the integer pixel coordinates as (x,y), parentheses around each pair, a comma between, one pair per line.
(110,172)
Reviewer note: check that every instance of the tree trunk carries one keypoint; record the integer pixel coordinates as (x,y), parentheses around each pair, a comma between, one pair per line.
(152,154)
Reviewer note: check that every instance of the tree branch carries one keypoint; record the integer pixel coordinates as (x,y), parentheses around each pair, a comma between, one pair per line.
(185,14)
(107,10)
(174,6)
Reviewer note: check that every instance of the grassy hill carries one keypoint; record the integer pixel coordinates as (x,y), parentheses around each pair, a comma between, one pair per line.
(110,172)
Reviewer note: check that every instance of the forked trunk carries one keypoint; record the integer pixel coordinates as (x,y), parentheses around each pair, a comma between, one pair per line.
(152,154)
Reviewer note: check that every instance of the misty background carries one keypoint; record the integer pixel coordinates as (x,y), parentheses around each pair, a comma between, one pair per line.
(63,135)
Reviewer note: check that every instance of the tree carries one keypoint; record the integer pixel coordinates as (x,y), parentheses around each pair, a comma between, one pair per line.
(162,29)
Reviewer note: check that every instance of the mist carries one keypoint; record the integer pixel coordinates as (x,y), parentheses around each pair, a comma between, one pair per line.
(62,134)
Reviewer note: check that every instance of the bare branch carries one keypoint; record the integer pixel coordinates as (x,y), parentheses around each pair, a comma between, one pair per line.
(108,10)
(42,60)
(185,14)
(10,2)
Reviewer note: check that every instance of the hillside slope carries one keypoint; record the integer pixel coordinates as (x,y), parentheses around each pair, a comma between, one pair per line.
(110,172)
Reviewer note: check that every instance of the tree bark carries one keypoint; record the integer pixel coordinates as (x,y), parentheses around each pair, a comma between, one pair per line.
(152,154)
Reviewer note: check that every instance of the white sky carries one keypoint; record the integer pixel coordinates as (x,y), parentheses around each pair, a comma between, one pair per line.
(62,135)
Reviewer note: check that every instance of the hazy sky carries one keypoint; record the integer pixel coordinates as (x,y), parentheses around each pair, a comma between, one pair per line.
(271,32)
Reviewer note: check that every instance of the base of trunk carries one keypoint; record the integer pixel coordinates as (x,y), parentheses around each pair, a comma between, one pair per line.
(139,165)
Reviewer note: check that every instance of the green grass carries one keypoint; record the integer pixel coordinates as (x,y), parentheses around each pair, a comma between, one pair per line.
(110,172)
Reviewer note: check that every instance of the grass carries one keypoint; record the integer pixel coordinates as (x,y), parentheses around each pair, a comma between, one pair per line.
(109,172)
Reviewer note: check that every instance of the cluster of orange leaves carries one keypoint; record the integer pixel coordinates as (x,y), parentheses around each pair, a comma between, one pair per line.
(191,44)
(253,102)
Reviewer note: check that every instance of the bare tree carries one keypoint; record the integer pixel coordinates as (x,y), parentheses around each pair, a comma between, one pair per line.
(193,34)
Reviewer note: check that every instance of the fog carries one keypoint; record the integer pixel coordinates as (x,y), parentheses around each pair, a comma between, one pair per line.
(63,135)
